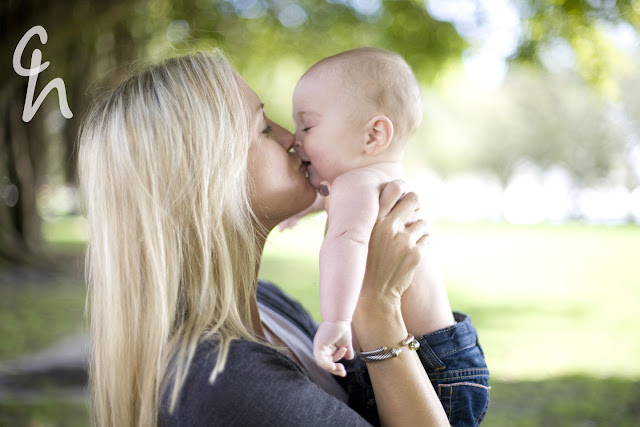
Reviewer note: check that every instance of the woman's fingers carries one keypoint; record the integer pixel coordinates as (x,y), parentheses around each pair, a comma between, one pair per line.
(390,195)
(423,242)
(419,230)
(404,209)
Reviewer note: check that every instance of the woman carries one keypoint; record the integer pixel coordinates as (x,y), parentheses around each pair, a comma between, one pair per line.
(184,176)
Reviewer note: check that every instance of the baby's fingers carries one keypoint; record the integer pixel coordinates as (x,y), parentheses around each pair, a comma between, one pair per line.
(350,354)
(339,353)
(339,370)
(323,359)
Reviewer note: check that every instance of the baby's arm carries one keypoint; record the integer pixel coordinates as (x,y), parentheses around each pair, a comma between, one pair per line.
(353,211)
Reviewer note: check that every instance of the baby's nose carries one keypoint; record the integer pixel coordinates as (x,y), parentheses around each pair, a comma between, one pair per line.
(300,150)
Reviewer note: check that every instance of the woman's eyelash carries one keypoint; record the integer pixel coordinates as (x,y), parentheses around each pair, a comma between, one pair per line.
(306,129)
(267,130)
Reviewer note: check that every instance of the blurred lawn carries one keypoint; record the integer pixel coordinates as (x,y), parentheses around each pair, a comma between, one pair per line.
(38,311)
(34,316)
(556,308)
(547,300)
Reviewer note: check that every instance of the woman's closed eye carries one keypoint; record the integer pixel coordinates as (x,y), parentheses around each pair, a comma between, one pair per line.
(307,129)
(267,130)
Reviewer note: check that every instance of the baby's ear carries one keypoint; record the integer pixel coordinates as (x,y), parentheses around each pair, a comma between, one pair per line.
(379,135)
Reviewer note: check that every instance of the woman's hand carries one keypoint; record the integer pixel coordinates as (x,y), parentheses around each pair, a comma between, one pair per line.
(395,250)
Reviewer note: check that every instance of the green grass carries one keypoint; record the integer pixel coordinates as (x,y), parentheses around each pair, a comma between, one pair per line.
(556,308)
(34,316)
(66,234)
(48,411)
(39,311)
(565,402)
(548,301)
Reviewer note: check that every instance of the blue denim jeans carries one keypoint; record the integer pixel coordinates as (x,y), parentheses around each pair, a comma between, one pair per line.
(455,363)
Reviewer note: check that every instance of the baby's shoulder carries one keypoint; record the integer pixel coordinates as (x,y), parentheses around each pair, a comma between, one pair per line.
(365,176)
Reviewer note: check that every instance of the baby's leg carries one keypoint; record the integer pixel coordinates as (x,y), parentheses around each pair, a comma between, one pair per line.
(425,305)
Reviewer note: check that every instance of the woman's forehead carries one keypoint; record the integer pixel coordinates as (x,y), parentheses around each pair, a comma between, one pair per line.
(250,95)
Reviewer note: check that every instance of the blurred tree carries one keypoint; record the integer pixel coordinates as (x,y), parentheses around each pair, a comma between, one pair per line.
(91,44)
(628,120)
(78,47)
(553,120)
(580,23)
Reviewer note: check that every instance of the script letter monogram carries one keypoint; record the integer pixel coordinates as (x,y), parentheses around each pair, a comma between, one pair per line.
(37,67)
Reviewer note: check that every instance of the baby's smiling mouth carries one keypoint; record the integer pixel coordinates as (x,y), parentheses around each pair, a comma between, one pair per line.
(305,160)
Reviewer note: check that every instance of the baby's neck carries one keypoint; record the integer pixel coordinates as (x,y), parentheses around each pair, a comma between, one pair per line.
(393,169)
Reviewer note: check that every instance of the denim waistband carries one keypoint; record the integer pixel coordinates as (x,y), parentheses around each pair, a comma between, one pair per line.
(443,342)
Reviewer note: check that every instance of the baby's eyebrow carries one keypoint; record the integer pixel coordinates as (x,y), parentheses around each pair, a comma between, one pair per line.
(307,113)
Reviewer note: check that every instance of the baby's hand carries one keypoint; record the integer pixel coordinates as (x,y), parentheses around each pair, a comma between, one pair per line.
(331,343)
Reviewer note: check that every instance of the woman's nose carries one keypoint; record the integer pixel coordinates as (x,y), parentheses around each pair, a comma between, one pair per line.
(297,144)
(285,138)
(299,147)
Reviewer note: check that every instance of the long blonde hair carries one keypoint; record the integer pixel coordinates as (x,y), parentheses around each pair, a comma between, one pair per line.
(173,246)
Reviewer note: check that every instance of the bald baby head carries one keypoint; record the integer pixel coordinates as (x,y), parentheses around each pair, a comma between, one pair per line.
(376,81)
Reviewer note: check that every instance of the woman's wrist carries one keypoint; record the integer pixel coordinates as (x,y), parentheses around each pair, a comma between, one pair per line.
(378,323)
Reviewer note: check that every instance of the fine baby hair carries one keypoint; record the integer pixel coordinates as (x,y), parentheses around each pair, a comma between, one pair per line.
(380,82)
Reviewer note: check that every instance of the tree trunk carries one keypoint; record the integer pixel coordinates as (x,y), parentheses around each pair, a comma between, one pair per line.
(22,170)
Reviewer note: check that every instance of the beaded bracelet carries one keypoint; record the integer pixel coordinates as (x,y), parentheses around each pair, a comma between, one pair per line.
(384,353)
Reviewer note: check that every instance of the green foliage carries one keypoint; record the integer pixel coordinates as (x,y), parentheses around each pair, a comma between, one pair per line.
(578,22)
(257,34)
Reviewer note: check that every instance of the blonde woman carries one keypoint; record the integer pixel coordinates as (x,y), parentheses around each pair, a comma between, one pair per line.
(184,175)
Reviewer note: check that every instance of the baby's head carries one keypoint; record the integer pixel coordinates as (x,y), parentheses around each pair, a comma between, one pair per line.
(355,109)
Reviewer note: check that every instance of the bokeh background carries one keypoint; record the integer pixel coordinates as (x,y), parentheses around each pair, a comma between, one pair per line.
(528,161)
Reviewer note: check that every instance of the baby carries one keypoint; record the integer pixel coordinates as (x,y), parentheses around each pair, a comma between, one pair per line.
(354,113)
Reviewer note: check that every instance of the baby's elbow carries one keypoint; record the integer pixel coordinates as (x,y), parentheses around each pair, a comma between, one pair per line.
(354,237)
